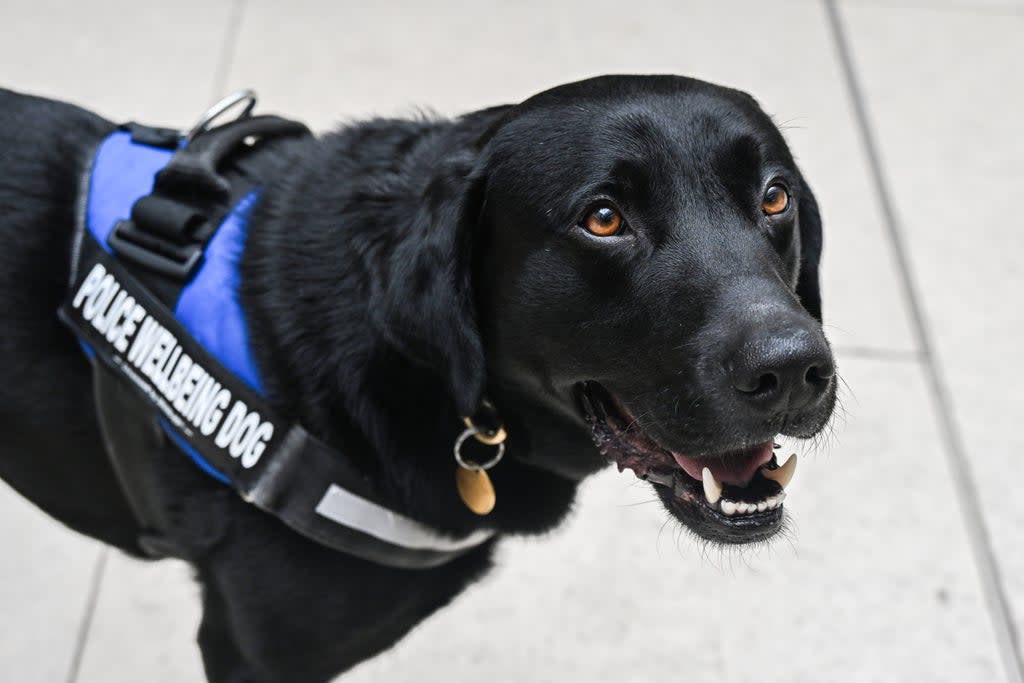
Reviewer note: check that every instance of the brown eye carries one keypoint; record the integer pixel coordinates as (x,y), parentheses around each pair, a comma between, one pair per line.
(604,221)
(776,200)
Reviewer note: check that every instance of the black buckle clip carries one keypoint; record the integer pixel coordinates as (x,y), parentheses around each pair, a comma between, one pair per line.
(174,260)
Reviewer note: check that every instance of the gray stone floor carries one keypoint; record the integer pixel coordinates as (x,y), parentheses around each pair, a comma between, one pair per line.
(907,556)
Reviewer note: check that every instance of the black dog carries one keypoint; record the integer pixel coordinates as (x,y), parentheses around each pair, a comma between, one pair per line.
(626,261)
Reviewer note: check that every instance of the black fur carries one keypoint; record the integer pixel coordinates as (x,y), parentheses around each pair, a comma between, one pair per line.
(397,272)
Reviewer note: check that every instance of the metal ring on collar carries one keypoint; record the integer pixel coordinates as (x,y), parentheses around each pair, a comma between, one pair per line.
(217,110)
(485,437)
(469,464)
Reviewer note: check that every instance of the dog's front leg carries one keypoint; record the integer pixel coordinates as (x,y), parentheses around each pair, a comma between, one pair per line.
(223,660)
(279,608)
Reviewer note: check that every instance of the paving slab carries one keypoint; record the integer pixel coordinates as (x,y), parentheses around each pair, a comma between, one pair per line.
(145,623)
(46,572)
(946,118)
(154,64)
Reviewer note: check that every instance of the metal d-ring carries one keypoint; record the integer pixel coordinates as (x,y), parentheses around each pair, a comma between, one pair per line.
(469,464)
(220,108)
(485,436)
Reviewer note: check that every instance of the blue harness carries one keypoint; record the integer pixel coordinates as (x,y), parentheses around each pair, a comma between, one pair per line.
(208,307)
(154,302)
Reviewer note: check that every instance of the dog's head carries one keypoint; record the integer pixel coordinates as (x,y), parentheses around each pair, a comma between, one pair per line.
(636,265)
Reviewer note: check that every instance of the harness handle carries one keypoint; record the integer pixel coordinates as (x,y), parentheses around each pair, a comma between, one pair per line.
(191,195)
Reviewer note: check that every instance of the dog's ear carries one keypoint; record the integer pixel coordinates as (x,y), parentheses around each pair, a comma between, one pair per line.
(808,287)
(425,307)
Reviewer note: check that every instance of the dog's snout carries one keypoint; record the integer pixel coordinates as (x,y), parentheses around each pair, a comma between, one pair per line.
(782,369)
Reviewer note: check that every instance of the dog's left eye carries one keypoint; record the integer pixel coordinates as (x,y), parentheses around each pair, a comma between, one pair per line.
(776,200)
(603,221)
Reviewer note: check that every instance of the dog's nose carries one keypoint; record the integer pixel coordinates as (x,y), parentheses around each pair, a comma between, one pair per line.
(783,369)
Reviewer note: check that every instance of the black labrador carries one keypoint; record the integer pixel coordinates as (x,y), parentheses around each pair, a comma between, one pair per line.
(626,267)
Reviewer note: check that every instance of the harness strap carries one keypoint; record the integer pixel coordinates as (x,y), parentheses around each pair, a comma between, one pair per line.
(163,241)
(120,308)
(196,170)
(136,446)
(274,464)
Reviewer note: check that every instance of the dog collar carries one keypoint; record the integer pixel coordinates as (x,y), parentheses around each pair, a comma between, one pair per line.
(154,302)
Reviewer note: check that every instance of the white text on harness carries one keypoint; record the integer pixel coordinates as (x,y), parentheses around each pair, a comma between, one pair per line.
(154,351)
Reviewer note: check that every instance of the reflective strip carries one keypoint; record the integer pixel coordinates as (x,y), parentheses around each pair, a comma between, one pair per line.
(348,509)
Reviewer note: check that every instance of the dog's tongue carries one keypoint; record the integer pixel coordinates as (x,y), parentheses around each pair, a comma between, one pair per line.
(737,470)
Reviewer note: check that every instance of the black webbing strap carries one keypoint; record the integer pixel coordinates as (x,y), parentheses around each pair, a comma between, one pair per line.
(121,308)
(273,463)
(162,243)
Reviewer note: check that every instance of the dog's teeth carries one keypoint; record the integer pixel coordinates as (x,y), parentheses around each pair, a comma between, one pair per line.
(783,474)
(712,489)
(739,507)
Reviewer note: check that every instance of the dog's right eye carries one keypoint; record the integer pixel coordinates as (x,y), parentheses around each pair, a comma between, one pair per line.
(776,200)
(603,221)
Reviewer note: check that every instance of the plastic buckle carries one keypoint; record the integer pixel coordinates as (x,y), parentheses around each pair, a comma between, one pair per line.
(172,260)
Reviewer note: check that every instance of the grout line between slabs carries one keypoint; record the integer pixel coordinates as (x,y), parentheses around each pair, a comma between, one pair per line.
(978,536)
(90,610)
(229,48)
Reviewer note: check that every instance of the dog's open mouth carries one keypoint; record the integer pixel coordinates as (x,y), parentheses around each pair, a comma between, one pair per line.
(731,497)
